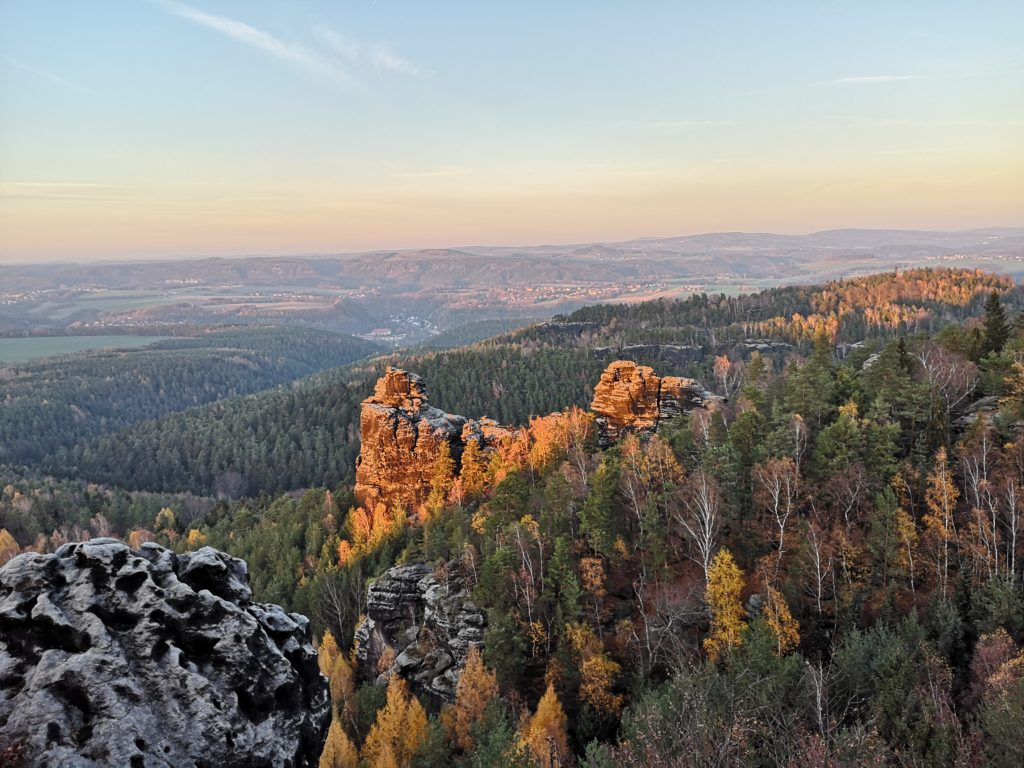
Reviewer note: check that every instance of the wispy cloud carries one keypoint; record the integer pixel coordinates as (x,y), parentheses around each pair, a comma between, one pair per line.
(63,81)
(665,125)
(379,56)
(434,173)
(58,190)
(293,53)
(332,56)
(868,79)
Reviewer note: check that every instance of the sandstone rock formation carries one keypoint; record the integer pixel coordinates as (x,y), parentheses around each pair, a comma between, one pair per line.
(421,627)
(402,437)
(631,398)
(111,656)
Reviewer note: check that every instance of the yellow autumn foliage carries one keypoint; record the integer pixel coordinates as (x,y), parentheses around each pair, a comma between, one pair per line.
(725,584)
(339,751)
(477,688)
(400,727)
(544,733)
(781,622)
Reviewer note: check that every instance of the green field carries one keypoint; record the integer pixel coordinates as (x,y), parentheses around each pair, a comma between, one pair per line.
(21,350)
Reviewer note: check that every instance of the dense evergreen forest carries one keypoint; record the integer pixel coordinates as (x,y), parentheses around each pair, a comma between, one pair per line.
(57,402)
(309,435)
(826,569)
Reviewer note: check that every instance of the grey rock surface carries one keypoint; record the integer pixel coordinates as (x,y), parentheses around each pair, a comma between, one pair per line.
(426,625)
(111,656)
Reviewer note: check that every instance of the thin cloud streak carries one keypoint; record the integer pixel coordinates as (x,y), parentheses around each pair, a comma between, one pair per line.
(377,55)
(249,35)
(868,79)
(48,76)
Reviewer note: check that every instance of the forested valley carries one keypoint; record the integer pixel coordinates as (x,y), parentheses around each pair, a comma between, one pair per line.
(57,402)
(822,568)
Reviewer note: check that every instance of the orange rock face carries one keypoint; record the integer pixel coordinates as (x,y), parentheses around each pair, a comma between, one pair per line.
(401,439)
(402,435)
(632,398)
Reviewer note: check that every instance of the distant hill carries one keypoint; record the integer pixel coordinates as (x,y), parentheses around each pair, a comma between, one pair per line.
(308,435)
(405,296)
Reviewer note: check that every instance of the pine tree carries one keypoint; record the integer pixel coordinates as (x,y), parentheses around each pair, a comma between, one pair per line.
(544,734)
(997,329)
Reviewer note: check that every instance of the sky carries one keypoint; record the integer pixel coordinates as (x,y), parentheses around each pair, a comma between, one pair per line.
(157,128)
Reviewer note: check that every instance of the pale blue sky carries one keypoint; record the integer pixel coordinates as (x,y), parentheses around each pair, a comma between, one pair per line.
(153,127)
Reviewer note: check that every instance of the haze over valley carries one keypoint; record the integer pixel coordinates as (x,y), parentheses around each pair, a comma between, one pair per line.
(403,298)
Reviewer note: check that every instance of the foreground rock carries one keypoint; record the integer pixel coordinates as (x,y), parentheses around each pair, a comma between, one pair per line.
(419,627)
(402,437)
(111,656)
(632,398)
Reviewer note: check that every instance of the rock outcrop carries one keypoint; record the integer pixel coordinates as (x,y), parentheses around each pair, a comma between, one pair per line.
(111,656)
(402,437)
(632,398)
(419,627)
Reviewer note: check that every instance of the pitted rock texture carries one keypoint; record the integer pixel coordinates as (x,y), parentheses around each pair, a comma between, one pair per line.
(111,656)
(426,625)
(632,398)
(401,438)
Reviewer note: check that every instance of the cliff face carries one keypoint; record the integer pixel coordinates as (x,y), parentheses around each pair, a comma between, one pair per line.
(402,436)
(401,440)
(632,398)
(419,627)
(118,657)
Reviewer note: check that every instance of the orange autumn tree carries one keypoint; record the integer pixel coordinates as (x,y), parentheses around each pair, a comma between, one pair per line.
(597,671)
(441,477)
(399,729)
(477,688)
(368,529)
(343,688)
(8,546)
(473,473)
(544,733)
(725,584)
(327,653)
(339,751)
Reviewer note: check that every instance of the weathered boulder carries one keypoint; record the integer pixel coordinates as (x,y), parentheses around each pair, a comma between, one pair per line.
(420,627)
(111,656)
(632,398)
